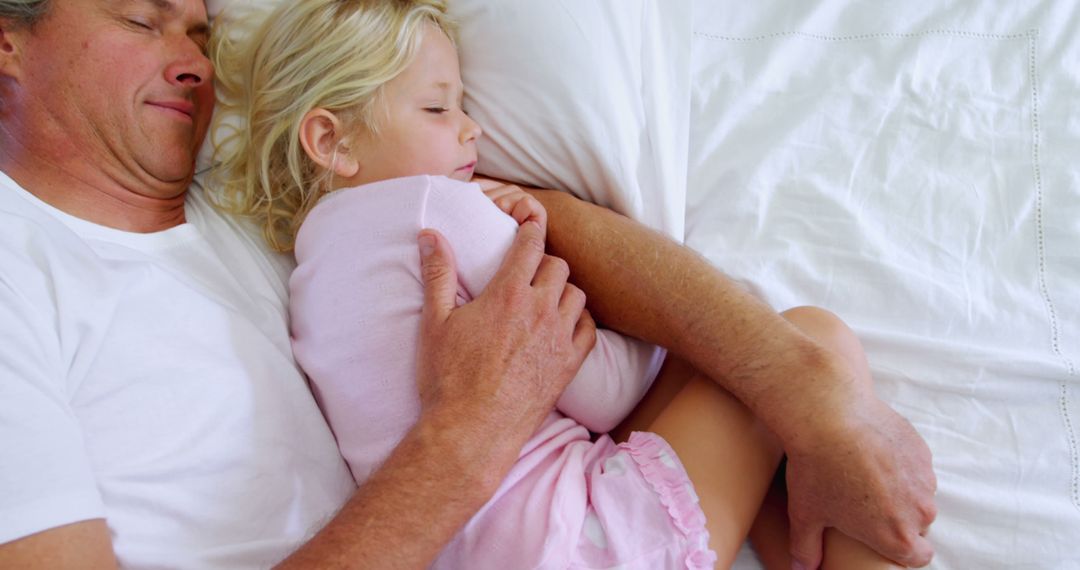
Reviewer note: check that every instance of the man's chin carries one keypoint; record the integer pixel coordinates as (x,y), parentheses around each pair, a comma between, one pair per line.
(171,170)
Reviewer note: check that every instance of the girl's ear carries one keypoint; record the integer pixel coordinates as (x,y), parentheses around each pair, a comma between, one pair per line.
(321,136)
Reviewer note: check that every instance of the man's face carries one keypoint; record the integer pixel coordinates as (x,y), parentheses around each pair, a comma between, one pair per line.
(127,82)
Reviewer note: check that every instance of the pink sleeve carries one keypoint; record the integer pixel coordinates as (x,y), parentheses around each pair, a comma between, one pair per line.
(618,371)
(611,381)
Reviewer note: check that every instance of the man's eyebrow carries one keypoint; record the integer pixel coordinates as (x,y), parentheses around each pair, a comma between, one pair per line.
(161,5)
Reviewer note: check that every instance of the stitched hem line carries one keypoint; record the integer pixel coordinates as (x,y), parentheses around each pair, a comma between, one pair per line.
(865,37)
(1040,245)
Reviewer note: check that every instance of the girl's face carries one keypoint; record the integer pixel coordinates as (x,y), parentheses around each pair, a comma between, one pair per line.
(424,130)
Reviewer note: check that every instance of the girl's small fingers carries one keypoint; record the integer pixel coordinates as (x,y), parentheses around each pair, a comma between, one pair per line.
(529,208)
(487,184)
(503,204)
(501,191)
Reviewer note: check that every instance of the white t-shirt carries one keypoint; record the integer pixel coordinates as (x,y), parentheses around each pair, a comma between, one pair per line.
(148,379)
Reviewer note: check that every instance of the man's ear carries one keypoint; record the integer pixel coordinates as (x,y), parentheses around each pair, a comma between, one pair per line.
(321,136)
(10,40)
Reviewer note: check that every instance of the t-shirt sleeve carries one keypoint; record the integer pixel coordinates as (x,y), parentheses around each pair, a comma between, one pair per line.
(618,371)
(45,475)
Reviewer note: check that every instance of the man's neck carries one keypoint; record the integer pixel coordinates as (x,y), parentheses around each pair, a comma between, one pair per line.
(95,196)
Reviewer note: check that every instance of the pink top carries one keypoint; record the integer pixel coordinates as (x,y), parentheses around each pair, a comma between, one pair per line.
(355,306)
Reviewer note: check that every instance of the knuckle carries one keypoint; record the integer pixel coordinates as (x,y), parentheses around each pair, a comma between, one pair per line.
(559,265)
(587,319)
(533,242)
(432,272)
(512,296)
(575,294)
(902,543)
(928,513)
(918,560)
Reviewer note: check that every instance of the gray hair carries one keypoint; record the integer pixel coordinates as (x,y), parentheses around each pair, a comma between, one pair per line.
(24,12)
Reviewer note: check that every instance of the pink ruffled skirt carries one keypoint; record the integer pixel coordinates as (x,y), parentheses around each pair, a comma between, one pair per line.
(643,512)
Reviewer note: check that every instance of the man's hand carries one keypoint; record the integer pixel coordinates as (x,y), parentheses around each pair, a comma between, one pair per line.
(500,362)
(871,478)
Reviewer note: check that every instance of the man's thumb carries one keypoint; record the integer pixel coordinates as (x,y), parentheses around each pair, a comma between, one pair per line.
(805,546)
(438,273)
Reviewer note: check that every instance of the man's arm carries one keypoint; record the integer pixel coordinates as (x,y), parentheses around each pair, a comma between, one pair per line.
(853,463)
(83,544)
(414,504)
(489,373)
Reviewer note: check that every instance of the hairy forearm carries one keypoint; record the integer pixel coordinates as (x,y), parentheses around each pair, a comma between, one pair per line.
(642,283)
(413,505)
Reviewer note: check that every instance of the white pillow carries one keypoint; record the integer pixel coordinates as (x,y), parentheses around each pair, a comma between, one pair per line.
(578,96)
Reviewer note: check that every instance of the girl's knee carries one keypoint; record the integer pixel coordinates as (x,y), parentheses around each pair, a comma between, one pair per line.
(828,330)
(817,322)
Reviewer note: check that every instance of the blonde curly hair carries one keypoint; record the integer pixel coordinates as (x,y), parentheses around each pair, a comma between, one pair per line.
(272,70)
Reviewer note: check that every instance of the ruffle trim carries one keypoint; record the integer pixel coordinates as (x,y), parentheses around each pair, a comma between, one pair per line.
(667,476)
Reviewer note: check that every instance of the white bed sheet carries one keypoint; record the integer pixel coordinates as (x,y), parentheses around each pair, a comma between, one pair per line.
(912,166)
(909,165)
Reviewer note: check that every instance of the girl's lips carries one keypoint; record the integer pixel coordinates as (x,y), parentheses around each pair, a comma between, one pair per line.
(469,166)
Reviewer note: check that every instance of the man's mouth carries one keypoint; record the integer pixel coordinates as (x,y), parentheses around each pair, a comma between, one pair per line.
(180,107)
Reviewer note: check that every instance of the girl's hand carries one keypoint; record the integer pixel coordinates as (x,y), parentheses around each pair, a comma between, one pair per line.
(517,203)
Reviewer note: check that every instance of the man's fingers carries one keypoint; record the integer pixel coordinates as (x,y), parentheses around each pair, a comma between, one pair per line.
(908,549)
(438,271)
(553,272)
(572,302)
(921,552)
(584,333)
(805,545)
(929,513)
(521,262)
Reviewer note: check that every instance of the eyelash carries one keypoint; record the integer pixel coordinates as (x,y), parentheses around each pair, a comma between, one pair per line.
(149,27)
(140,24)
(438,110)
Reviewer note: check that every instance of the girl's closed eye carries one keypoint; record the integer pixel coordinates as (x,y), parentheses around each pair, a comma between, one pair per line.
(437,110)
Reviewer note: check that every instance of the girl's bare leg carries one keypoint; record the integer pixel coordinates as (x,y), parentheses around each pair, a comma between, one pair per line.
(728,454)
(732,459)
